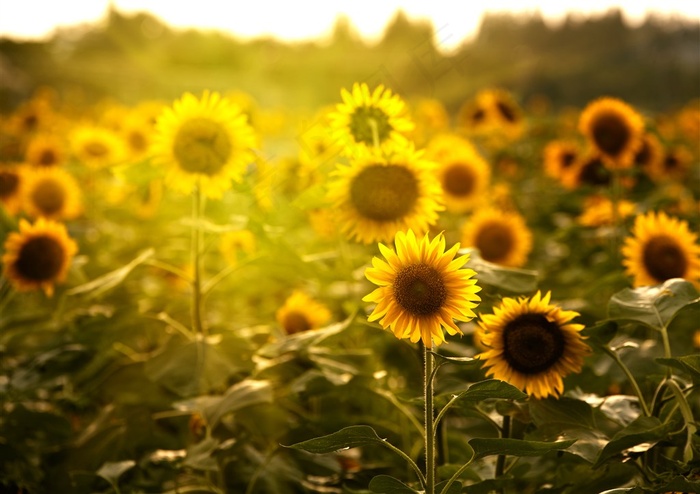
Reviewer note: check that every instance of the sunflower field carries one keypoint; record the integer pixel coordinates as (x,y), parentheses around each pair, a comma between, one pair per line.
(382,295)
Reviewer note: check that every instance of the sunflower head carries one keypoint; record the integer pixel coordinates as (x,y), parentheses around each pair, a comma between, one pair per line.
(614,128)
(45,150)
(532,344)
(97,147)
(560,156)
(661,247)
(302,313)
(11,178)
(588,171)
(367,118)
(38,256)
(51,193)
(501,237)
(236,243)
(598,211)
(650,153)
(205,142)
(422,289)
(380,194)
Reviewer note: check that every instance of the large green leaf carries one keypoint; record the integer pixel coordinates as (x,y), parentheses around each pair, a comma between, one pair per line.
(484,390)
(689,364)
(509,279)
(642,434)
(384,484)
(108,281)
(349,437)
(654,306)
(243,394)
(515,447)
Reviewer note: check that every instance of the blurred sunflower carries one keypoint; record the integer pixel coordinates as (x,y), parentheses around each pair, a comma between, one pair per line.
(205,142)
(11,177)
(370,118)
(422,289)
(598,211)
(380,194)
(559,156)
(317,142)
(614,128)
(589,170)
(493,112)
(302,313)
(38,256)
(502,237)
(674,165)
(97,147)
(51,193)
(532,344)
(136,132)
(430,117)
(45,150)
(462,172)
(661,247)
(688,119)
(233,244)
(650,153)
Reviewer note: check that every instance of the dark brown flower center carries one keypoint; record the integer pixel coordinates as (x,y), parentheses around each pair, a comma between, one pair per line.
(532,344)
(611,133)
(368,120)
(96,149)
(137,141)
(458,180)
(384,193)
(477,116)
(495,241)
(671,162)
(664,259)
(295,322)
(47,157)
(49,197)
(506,111)
(40,259)
(644,154)
(419,289)
(567,158)
(202,146)
(594,172)
(9,183)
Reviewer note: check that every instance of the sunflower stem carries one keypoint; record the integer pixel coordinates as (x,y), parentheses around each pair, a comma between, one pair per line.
(197,325)
(375,132)
(501,460)
(613,354)
(429,421)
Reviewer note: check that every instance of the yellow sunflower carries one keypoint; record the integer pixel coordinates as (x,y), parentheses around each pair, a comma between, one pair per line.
(97,147)
(430,118)
(422,289)
(11,178)
(463,173)
(51,193)
(532,344)
(233,244)
(589,170)
(502,237)
(492,112)
(598,211)
(661,247)
(205,142)
(380,194)
(370,118)
(136,132)
(38,256)
(675,164)
(45,150)
(650,153)
(614,128)
(302,313)
(560,156)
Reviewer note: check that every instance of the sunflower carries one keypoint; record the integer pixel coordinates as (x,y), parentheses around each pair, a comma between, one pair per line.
(205,142)
(136,132)
(614,128)
(661,247)
(45,150)
(11,178)
(588,170)
(502,237)
(598,211)
(302,313)
(650,153)
(233,244)
(38,256)
(97,147)
(380,194)
(51,193)
(422,289)
(462,172)
(370,118)
(494,113)
(430,117)
(560,156)
(532,344)
(674,165)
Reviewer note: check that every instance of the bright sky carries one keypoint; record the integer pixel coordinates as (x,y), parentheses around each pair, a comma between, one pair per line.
(307,19)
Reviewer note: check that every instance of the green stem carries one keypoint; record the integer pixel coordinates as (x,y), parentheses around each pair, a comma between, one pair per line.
(688,418)
(667,348)
(501,460)
(409,460)
(429,421)
(630,377)
(456,475)
(196,310)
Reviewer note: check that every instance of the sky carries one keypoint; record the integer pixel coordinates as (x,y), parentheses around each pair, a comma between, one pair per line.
(297,20)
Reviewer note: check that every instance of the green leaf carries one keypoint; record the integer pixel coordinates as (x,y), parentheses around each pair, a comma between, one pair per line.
(349,437)
(600,334)
(484,390)
(444,359)
(384,484)
(510,279)
(690,364)
(201,455)
(108,281)
(640,435)
(243,394)
(455,488)
(515,447)
(654,306)
(112,470)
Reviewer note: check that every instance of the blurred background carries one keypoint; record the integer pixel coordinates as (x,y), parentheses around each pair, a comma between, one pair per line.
(298,55)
